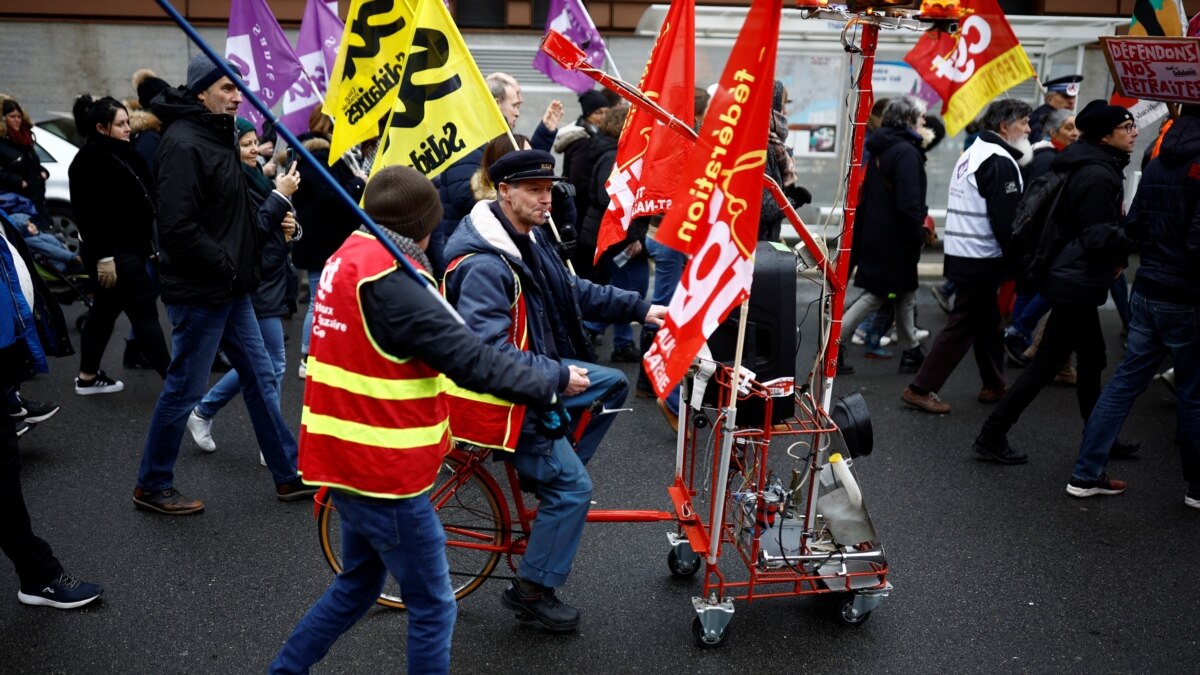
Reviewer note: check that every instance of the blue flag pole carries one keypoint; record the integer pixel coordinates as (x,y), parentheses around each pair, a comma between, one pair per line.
(293,142)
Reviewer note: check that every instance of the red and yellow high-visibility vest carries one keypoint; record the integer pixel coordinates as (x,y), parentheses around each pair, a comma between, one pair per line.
(482,419)
(373,424)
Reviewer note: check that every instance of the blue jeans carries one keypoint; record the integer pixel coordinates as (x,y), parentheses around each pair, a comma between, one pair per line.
(1155,329)
(400,536)
(228,386)
(634,276)
(668,270)
(306,334)
(601,378)
(1027,312)
(198,330)
(566,490)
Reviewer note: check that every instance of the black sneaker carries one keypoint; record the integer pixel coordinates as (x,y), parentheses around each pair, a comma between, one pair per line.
(101,384)
(626,353)
(1090,488)
(1014,349)
(65,592)
(1122,448)
(1192,499)
(134,358)
(1000,452)
(32,411)
(23,428)
(911,360)
(541,606)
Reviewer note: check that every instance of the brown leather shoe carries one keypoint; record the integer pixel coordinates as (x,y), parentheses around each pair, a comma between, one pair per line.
(930,402)
(170,502)
(294,490)
(991,395)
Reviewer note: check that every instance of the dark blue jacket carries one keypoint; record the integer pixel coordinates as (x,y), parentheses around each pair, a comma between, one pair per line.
(1165,218)
(484,285)
(890,229)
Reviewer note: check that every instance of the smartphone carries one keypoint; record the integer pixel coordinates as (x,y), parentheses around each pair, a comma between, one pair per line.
(291,158)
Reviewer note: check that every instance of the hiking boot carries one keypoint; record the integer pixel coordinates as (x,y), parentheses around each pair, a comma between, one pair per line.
(1122,448)
(1000,452)
(65,592)
(1014,348)
(929,402)
(672,418)
(1091,488)
(911,360)
(294,490)
(32,411)
(991,394)
(101,384)
(201,431)
(541,605)
(169,502)
(626,353)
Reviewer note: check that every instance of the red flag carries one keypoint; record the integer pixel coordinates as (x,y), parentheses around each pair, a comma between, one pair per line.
(714,212)
(970,69)
(648,155)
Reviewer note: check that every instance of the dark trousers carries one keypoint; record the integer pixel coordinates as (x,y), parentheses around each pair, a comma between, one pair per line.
(1070,328)
(34,561)
(133,294)
(974,322)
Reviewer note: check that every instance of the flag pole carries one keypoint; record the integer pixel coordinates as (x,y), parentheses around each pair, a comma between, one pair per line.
(323,173)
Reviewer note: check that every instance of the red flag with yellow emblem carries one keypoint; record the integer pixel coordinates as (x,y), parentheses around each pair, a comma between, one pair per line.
(714,211)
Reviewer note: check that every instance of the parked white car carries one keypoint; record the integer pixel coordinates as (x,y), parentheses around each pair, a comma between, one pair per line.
(56,155)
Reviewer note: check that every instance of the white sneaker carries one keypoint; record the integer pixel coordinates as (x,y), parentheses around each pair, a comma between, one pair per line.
(921,334)
(859,337)
(303,370)
(201,430)
(1167,377)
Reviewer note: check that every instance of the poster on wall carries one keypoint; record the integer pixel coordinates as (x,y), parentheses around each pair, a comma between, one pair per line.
(897,78)
(814,109)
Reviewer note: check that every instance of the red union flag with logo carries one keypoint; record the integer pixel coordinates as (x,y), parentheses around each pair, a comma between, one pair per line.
(648,155)
(970,69)
(714,211)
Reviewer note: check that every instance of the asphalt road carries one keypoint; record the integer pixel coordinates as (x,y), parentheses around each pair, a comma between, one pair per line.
(995,568)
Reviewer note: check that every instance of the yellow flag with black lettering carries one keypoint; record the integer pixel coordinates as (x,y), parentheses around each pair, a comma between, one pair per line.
(443,109)
(368,70)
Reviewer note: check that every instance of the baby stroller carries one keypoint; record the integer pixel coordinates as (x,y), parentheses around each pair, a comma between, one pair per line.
(67,285)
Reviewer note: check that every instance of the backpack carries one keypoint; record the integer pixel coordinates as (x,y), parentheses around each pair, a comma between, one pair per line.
(1035,235)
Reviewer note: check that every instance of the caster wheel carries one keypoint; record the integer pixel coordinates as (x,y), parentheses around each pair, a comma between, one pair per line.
(683,569)
(842,607)
(705,641)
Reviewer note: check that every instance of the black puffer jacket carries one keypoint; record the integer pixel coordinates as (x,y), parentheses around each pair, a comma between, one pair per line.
(1165,217)
(601,155)
(114,199)
(1090,224)
(325,219)
(891,214)
(206,227)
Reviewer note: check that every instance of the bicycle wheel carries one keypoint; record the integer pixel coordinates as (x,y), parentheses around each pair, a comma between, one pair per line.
(470,507)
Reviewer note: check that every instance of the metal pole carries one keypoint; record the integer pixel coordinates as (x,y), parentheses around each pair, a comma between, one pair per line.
(322,171)
(719,490)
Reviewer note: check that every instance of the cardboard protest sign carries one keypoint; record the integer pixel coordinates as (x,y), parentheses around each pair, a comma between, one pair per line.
(1157,68)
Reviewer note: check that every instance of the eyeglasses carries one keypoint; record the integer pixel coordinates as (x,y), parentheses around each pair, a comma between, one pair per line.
(1128,127)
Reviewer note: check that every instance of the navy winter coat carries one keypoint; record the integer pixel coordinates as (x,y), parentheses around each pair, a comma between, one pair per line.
(889,230)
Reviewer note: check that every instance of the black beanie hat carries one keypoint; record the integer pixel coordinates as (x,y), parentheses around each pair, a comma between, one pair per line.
(1098,119)
(591,101)
(148,85)
(404,201)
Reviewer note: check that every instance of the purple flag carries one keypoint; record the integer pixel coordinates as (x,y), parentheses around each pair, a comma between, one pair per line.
(571,19)
(258,46)
(317,46)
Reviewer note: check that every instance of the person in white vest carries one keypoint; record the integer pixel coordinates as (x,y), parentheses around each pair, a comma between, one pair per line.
(985,189)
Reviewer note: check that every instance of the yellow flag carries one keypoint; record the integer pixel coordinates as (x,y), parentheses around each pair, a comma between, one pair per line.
(367,73)
(443,109)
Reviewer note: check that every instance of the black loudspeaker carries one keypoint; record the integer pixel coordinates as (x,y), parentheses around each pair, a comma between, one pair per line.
(770,349)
